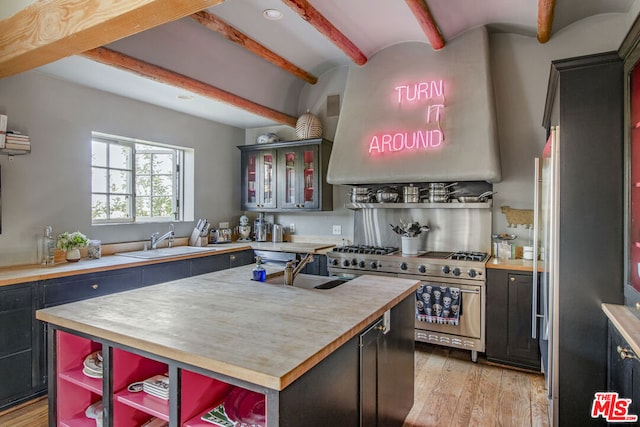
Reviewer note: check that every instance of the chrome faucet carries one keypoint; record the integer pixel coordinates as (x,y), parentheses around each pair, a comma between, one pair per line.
(168,235)
(290,273)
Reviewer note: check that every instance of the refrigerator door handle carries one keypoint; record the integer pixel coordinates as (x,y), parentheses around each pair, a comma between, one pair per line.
(536,213)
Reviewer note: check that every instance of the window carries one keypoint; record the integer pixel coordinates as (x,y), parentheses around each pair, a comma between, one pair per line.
(135,181)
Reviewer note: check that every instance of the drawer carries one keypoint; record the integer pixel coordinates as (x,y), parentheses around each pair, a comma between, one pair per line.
(12,299)
(76,288)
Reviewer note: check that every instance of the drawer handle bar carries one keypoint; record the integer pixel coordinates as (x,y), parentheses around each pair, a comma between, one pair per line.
(464,291)
(94,286)
(626,353)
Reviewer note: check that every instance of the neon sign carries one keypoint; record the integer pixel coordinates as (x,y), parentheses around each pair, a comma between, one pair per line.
(431,137)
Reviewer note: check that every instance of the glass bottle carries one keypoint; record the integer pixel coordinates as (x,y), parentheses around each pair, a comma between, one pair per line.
(48,245)
(259,273)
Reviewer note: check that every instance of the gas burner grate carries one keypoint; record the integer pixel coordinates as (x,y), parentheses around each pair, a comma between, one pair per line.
(366,249)
(469,256)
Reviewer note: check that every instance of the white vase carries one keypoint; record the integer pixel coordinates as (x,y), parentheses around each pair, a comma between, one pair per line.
(73,255)
(410,245)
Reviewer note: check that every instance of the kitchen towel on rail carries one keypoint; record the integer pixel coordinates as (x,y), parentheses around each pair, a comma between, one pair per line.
(438,304)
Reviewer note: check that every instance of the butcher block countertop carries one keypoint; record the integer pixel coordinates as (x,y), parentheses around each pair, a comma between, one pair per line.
(224,322)
(31,273)
(625,322)
(510,264)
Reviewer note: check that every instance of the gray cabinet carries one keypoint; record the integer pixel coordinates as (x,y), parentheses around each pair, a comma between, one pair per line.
(286,176)
(508,319)
(623,370)
(21,342)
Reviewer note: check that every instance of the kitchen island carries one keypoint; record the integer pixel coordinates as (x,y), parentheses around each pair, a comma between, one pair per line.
(303,349)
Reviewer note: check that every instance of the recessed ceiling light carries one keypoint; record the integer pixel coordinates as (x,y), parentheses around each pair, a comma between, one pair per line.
(185,97)
(273,14)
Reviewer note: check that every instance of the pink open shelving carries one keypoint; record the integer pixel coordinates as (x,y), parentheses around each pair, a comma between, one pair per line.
(76,391)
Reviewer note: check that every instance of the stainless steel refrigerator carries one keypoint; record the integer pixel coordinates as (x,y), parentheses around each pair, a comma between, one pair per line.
(545,284)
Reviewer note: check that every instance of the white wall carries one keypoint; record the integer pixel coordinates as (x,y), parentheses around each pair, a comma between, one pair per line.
(51,186)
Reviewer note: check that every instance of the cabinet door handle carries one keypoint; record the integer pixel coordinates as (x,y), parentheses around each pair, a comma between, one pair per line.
(232,257)
(513,279)
(626,353)
(94,286)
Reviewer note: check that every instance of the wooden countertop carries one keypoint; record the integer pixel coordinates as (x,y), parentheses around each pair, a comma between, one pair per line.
(510,264)
(31,273)
(224,322)
(626,323)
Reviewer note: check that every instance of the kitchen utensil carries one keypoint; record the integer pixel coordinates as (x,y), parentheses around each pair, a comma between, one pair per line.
(276,233)
(411,194)
(476,199)
(387,195)
(260,228)
(361,195)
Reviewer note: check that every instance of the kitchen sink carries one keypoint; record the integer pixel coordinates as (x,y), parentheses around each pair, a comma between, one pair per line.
(309,282)
(166,252)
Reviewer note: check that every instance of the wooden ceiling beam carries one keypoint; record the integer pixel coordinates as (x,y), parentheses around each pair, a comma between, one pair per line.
(162,75)
(545,19)
(422,13)
(216,24)
(324,26)
(48,30)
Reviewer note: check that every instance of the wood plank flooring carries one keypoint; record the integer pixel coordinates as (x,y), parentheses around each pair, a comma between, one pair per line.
(450,391)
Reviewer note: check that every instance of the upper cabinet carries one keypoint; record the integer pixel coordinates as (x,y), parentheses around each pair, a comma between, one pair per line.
(286,176)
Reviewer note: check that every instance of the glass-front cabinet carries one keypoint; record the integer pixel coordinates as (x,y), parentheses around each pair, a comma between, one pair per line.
(287,175)
(258,180)
(300,178)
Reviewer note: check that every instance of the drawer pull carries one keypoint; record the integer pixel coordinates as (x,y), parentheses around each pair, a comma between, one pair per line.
(513,279)
(626,353)
(232,257)
(94,286)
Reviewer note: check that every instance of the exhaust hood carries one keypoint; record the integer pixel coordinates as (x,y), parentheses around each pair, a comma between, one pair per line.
(412,114)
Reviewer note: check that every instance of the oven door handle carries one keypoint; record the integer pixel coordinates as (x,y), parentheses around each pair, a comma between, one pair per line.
(464,291)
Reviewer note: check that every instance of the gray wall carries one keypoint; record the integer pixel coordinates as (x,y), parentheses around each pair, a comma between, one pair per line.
(51,186)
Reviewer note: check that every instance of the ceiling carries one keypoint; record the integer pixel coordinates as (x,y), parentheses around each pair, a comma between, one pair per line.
(187,47)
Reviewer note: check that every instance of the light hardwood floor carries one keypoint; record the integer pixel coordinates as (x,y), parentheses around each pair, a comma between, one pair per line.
(450,391)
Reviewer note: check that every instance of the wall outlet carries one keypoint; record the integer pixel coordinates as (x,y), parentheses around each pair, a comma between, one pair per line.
(337,229)
(224,225)
(292,228)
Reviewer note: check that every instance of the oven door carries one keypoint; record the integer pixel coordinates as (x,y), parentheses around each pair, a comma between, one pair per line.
(471,320)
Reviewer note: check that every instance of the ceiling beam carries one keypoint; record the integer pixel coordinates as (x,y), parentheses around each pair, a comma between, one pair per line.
(320,23)
(422,13)
(48,30)
(162,75)
(545,19)
(216,24)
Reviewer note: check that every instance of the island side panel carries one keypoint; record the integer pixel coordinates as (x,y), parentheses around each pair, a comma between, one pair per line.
(329,394)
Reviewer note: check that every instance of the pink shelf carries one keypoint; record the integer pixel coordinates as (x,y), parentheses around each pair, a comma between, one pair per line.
(144,402)
(81,421)
(75,376)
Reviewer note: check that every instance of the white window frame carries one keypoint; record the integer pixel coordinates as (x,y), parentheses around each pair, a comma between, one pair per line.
(181,177)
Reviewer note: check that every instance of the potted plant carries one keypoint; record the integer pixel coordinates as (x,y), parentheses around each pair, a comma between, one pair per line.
(71,244)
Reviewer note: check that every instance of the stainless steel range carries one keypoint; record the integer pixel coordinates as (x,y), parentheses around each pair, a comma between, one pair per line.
(462,271)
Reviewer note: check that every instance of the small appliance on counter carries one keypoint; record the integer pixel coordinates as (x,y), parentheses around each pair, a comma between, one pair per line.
(220,235)
(276,233)
(260,228)
(244,229)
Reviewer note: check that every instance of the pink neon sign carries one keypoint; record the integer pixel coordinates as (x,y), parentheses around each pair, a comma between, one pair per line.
(432,137)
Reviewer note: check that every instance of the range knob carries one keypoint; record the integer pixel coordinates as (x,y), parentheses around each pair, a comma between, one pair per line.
(446,269)
(404,266)
(422,269)
(456,271)
(472,273)
(346,263)
(334,262)
(354,262)
(361,264)
(373,265)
